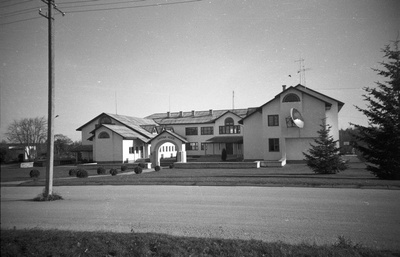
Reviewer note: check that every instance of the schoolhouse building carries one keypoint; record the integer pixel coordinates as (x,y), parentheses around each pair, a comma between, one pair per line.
(268,133)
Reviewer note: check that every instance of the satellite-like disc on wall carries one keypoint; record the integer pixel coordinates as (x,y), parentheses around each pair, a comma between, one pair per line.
(297,118)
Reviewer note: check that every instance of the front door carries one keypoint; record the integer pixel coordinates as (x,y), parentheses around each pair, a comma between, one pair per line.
(229,148)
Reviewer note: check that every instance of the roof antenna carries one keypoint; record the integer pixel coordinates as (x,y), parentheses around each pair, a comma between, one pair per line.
(116,105)
(233,100)
(302,71)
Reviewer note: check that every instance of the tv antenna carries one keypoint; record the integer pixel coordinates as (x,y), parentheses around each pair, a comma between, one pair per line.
(302,71)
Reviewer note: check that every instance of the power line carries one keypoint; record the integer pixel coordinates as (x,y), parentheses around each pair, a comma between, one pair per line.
(12,22)
(98,4)
(14,13)
(16,4)
(25,11)
(132,7)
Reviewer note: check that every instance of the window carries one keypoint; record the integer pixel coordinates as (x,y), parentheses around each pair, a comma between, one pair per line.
(273,144)
(235,129)
(192,131)
(229,121)
(291,98)
(192,146)
(130,149)
(104,135)
(207,130)
(273,120)
(203,146)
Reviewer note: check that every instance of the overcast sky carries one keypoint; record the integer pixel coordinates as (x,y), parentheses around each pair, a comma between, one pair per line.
(137,61)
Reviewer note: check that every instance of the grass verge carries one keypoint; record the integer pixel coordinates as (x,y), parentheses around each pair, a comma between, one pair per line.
(69,243)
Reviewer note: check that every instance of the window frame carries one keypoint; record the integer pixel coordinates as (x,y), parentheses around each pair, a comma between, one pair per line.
(231,129)
(191,131)
(207,130)
(273,120)
(192,146)
(273,145)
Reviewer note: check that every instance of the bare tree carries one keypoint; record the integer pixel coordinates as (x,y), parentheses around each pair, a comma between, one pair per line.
(29,132)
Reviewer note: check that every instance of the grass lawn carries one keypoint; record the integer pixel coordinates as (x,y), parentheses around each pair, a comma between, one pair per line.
(290,175)
(69,243)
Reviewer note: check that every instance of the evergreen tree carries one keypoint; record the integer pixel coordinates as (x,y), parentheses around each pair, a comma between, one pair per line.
(381,138)
(324,157)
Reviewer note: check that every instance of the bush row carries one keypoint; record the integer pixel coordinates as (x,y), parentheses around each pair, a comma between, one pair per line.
(81,173)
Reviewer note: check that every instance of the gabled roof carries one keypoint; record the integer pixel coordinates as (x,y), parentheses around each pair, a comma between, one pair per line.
(131,122)
(311,92)
(196,117)
(304,90)
(172,134)
(125,132)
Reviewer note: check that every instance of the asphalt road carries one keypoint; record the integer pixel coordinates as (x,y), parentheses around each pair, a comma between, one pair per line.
(294,215)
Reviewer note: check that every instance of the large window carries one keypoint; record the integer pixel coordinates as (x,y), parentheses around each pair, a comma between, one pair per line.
(192,146)
(235,129)
(273,144)
(273,120)
(191,131)
(207,130)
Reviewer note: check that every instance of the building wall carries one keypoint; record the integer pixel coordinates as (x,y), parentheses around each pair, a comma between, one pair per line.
(133,150)
(210,149)
(252,133)
(293,141)
(108,149)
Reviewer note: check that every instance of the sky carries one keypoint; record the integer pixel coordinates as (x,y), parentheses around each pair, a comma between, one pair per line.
(141,57)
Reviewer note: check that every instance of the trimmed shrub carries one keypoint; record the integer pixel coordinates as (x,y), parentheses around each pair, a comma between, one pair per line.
(113,172)
(157,168)
(124,168)
(81,173)
(101,170)
(138,169)
(72,172)
(34,174)
(171,166)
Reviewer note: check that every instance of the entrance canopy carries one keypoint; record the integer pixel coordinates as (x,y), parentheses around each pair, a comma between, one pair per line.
(167,137)
(226,139)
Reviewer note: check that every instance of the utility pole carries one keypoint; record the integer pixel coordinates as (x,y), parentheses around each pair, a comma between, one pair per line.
(50,123)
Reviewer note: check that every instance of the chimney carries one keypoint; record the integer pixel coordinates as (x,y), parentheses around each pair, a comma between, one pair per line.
(192,113)
(168,114)
(283,87)
(211,112)
(180,114)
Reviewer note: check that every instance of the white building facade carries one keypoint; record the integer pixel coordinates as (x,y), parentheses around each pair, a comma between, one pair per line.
(271,135)
(263,133)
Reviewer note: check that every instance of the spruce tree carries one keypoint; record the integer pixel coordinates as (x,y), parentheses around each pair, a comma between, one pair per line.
(381,139)
(324,156)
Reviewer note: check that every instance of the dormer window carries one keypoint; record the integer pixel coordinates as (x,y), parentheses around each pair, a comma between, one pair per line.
(289,98)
